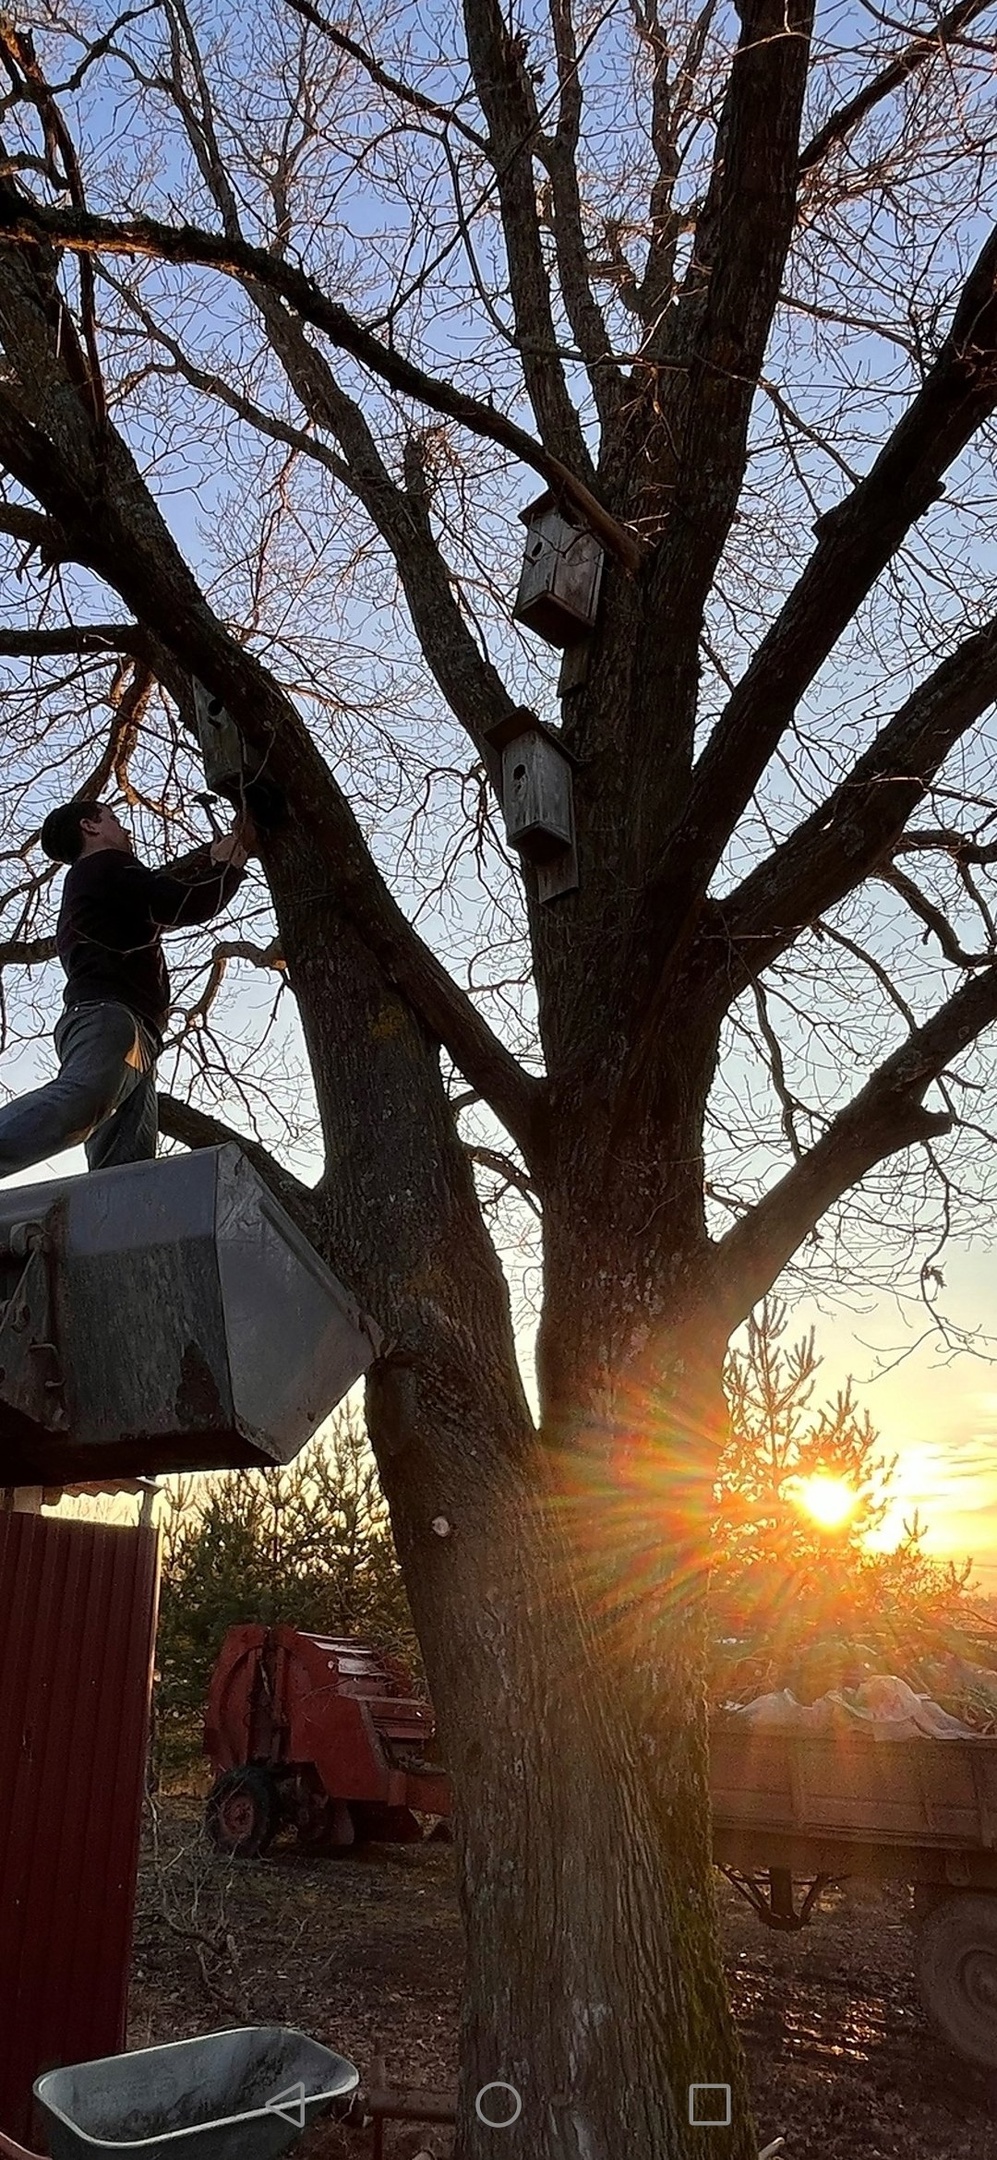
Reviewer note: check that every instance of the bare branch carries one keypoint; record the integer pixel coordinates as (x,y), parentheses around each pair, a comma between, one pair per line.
(105,637)
(669,108)
(85,234)
(795,420)
(261,956)
(227,949)
(934,920)
(406,92)
(714,342)
(197,1129)
(860,823)
(842,123)
(560,155)
(214,385)
(21,61)
(947,842)
(777,1068)
(505,94)
(855,541)
(39,532)
(27,952)
(101,46)
(504,1167)
(869,960)
(470,684)
(887,1116)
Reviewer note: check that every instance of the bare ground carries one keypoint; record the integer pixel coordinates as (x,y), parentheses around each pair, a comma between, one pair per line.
(365,1953)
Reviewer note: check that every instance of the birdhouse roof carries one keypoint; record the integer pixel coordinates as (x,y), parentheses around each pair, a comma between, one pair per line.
(548,501)
(522,721)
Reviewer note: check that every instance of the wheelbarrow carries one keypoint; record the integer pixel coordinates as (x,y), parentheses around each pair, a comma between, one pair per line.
(246,2094)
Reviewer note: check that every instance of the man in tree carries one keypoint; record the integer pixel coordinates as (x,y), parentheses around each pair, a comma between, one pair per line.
(117,999)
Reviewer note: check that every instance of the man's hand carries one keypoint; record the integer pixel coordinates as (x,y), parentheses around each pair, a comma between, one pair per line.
(237,846)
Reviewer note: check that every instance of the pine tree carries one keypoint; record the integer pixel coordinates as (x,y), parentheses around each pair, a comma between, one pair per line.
(797,1602)
(310,1545)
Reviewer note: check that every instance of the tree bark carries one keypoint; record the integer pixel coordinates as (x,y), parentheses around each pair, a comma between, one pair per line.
(557,1583)
(560,1615)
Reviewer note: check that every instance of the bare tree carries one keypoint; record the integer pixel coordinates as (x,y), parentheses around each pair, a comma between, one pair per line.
(728,289)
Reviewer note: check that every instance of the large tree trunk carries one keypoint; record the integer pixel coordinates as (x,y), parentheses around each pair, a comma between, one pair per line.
(556,1582)
(561,1619)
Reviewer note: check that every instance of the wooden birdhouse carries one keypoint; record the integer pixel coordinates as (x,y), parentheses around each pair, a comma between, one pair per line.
(537,799)
(562,571)
(221,743)
(228,769)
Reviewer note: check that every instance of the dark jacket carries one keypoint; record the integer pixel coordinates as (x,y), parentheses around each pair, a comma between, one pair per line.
(113,914)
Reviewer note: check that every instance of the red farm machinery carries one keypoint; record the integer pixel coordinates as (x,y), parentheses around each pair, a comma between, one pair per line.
(321,1733)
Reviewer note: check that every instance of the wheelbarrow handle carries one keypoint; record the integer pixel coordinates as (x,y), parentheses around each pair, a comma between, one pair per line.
(11,2150)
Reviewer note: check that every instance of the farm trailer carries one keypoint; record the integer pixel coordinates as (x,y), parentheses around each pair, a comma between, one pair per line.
(822,1808)
(320,1732)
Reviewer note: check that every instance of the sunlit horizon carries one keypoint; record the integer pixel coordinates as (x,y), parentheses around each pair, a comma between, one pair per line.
(935,1413)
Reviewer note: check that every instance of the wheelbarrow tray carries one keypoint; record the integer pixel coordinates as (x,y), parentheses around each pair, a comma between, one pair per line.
(245,2094)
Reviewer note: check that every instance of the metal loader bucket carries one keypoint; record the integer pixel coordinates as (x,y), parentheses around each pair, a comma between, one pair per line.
(240,2095)
(165,1316)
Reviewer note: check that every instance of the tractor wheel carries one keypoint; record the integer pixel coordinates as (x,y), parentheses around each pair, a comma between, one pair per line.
(956,1962)
(242,1812)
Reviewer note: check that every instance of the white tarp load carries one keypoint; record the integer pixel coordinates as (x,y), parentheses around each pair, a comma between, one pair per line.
(885,1707)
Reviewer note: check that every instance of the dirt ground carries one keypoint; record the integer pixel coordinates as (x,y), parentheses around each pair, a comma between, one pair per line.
(365,1953)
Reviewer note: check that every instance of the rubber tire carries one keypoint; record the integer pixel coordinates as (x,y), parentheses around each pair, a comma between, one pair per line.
(261,1812)
(956,1966)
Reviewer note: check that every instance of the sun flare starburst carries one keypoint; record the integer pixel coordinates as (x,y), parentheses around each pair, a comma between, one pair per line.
(830,1500)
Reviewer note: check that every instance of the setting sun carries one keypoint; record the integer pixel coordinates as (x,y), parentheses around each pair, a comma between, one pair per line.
(828,1499)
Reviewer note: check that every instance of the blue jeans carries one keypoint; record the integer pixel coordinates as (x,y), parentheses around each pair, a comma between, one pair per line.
(105,1095)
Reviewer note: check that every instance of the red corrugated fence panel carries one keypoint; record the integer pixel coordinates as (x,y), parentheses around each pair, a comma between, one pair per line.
(77,1638)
